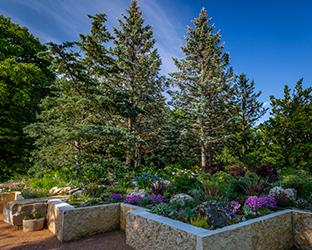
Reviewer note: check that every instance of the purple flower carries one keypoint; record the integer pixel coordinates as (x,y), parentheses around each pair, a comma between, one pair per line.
(113,197)
(133,199)
(156,198)
(256,203)
(232,207)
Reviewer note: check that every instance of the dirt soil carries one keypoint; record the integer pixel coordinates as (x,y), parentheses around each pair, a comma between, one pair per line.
(45,239)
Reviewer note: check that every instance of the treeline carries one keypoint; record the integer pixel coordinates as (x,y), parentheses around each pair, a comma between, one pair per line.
(88,108)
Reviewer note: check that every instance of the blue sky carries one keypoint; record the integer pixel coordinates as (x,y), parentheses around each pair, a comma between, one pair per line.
(270,41)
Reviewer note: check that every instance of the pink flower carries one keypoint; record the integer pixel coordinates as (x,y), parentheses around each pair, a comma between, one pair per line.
(178,175)
(185,169)
(173,172)
(192,176)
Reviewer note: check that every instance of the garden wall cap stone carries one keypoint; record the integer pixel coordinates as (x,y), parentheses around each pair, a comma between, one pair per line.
(180,198)
(141,192)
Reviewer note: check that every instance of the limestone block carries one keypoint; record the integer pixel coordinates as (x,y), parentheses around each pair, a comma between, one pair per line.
(33,225)
(270,232)
(302,230)
(124,208)
(5,198)
(14,211)
(149,231)
(85,221)
(55,215)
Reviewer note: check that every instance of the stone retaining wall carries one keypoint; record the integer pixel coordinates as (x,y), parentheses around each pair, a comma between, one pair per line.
(144,230)
(69,223)
(281,230)
(5,198)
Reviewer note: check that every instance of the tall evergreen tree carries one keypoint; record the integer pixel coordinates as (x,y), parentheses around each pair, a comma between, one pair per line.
(289,131)
(248,110)
(204,82)
(24,80)
(140,64)
(74,131)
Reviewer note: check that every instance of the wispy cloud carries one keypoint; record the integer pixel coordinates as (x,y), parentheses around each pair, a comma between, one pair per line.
(266,104)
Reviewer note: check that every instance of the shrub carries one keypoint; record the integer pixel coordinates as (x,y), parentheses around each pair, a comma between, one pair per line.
(45,183)
(294,181)
(214,168)
(184,180)
(202,176)
(255,188)
(265,170)
(237,172)
(94,189)
(34,193)
(221,177)
(199,221)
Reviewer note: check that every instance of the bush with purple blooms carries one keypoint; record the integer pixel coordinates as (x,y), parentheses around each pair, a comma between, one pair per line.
(156,198)
(232,207)
(114,197)
(255,202)
(133,199)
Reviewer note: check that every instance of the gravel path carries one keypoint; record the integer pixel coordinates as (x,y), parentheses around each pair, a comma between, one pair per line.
(45,239)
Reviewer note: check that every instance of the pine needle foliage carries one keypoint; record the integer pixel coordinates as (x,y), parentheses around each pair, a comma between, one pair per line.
(74,131)
(204,84)
(140,64)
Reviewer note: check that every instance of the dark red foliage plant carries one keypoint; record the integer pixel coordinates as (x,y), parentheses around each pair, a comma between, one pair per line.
(214,168)
(237,171)
(265,170)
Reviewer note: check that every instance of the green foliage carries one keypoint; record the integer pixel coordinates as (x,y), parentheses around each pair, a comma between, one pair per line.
(162,208)
(140,64)
(203,99)
(302,204)
(29,193)
(184,180)
(38,215)
(75,130)
(288,131)
(208,188)
(200,221)
(46,182)
(264,210)
(221,176)
(246,210)
(124,183)
(24,80)
(223,200)
(202,176)
(187,214)
(27,217)
(249,110)
(93,189)
(144,201)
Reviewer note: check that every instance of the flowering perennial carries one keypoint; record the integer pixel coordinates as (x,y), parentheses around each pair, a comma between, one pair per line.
(256,203)
(133,199)
(156,198)
(114,197)
(232,207)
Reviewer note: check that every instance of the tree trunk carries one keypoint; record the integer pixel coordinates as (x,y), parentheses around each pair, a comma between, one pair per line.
(210,153)
(128,161)
(203,150)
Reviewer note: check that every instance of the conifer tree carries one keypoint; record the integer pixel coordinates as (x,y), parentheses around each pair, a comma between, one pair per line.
(289,132)
(140,64)
(248,110)
(204,82)
(74,131)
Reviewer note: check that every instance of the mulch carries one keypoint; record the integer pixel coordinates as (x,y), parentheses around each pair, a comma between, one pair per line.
(10,238)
